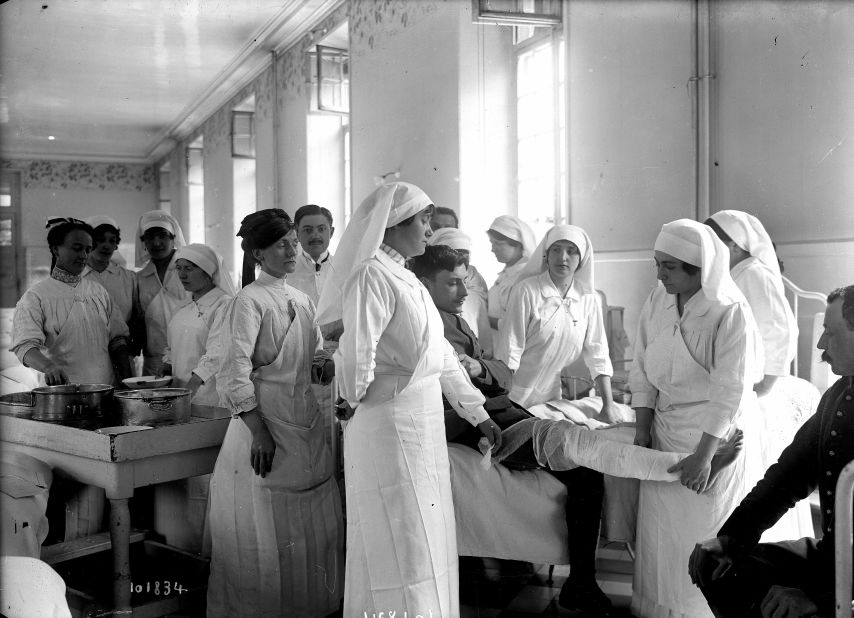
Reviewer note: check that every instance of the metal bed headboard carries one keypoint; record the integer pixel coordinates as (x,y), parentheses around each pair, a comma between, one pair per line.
(797,295)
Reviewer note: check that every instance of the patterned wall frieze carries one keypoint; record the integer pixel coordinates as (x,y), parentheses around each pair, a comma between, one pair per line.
(45,174)
(374,20)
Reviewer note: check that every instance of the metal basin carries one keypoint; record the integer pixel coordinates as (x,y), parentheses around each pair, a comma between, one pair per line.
(154,406)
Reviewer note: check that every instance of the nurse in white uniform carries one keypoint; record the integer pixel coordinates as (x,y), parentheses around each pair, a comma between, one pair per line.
(195,334)
(193,358)
(554,318)
(275,509)
(696,359)
(513,242)
(393,364)
(160,291)
(756,271)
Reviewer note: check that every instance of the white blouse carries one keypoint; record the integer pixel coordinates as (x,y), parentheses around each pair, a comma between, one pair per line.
(255,328)
(196,336)
(542,333)
(499,293)
(120,283)
(720,338)
(766,295)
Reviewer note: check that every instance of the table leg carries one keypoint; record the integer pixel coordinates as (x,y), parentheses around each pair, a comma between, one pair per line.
(120,539)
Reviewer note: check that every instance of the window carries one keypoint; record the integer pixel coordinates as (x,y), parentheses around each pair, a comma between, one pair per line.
(165,187)
(518,12)
(333,79)
(244,199)
(541,131)
(196,194)
(243,134)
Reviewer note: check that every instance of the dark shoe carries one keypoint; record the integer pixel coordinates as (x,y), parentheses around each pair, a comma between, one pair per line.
(585,596)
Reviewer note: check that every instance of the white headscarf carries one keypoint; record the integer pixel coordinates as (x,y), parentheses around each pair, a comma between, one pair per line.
(516,229)
(209,261)
(450,237)
(748,233)
(583,277)
(156,218)
(696,243)
(387,206)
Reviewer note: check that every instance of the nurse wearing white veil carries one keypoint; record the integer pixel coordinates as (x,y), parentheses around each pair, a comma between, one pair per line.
(513,242)
(553,318)
(697,357)
(393,364)
(160,292)
(756,272)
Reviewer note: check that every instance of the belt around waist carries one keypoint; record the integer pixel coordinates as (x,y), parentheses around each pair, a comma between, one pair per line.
(387,370)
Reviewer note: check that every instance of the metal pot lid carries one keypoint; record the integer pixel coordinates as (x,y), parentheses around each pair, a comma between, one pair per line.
(72,389)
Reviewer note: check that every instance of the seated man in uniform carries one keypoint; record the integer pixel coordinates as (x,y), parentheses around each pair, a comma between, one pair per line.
(743,578)
(443,271)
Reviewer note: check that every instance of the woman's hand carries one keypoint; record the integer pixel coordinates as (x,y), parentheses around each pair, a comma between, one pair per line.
(262,450)
(263,446)
(609,413)
(54,375)
(694,471)
(194,384)
(491,432)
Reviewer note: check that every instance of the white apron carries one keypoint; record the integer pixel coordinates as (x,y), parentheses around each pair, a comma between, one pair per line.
(82,346)
(188,337)
(401,534)
(81,349)
(672,518)
(277,540)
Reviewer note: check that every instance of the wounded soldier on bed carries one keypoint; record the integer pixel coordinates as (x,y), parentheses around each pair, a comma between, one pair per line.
(442,270)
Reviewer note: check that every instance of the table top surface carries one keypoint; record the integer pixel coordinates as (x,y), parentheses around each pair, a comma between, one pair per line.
(127,444)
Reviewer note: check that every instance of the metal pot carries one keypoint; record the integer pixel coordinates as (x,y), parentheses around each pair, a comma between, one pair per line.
(154,406)
(71,404)
(20,405)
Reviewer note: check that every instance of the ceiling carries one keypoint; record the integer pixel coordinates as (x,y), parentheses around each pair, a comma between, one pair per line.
(122,80)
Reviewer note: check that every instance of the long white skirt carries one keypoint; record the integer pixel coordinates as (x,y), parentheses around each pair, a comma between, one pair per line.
(672,519)
(275,550)
(401,534)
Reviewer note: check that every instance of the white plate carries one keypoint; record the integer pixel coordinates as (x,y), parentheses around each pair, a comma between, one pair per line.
(147,382)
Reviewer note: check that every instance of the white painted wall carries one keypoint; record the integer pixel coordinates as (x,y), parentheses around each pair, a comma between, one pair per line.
(405,106)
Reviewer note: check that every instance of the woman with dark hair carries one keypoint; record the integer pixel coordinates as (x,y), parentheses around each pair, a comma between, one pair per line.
(697,357)
(68,327)
(393,365)
(275,512)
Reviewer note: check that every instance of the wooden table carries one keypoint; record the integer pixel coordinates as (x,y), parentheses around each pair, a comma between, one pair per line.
(119,464)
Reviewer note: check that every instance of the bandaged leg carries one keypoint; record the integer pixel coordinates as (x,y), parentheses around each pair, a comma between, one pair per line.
(560,445)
